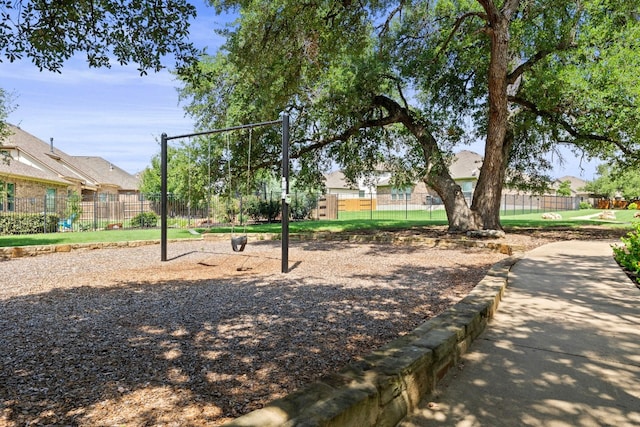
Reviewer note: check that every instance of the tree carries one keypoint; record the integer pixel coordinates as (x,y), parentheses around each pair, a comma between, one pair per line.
(190,177)
(6,107)
(138,31)
(613,181)
(405,82)
(564,189)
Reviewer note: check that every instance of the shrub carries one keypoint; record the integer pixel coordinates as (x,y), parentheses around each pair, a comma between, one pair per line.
(270,209)
(301,206)
(28,223)
(251,208)
(628,256)
(585,205)
(632,206)
(144,220)
(258,209)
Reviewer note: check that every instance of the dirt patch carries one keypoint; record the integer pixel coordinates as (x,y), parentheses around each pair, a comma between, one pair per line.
(115,337)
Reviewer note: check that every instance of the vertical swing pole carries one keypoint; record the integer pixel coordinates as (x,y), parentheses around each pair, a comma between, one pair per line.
(285,192)
(163,197)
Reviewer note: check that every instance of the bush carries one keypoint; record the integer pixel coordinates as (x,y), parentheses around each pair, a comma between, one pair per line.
(28,223)
(632,206)
(259,210)
(270,209)
(144,220)
(301,206)
(628,256)
(585,205)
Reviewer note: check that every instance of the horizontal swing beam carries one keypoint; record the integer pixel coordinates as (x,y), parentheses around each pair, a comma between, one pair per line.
(210,132)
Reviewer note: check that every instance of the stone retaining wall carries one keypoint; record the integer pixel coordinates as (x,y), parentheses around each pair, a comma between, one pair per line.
(22,251)
(390,382)
(25,251)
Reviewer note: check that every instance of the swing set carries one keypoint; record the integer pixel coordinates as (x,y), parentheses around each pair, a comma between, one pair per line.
(238,242)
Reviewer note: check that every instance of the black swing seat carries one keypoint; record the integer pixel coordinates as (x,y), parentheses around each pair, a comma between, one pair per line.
(238,243)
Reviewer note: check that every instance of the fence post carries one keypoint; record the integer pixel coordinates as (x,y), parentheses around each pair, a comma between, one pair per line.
(371,205)
(406,206)
(45,214)
(95,212)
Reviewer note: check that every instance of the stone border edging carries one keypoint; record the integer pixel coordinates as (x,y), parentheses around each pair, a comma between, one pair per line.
(34,250)
(389,383)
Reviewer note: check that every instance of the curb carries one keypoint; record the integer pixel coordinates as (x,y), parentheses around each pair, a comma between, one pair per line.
(391,381)
(35,250)
(9,252)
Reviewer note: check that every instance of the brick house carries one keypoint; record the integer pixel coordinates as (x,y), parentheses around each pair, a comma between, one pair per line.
(32,170)
(464,169)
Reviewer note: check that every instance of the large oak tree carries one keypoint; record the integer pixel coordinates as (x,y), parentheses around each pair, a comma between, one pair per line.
(405,82)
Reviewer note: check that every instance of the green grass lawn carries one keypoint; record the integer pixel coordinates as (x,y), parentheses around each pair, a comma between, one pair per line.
(90,237)
(624,218)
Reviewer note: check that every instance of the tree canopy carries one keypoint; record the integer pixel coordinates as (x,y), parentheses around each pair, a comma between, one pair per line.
(406,82)
(143,32)
(614,182)
(5,108)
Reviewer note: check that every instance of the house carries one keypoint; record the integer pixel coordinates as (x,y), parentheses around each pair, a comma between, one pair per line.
(35,170)
(464,169)
(576,186)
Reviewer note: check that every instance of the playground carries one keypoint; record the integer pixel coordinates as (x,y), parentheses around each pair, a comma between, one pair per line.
(117,337)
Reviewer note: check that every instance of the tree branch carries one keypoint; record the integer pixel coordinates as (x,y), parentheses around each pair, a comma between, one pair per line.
(387,23)
(353,130)
(569,128)
(490,9)
(509,8)
(528,64)
(456,26)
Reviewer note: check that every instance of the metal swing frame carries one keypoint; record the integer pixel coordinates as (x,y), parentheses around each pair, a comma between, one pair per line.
(284,121)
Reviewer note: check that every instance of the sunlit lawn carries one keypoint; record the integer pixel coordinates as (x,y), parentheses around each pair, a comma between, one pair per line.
(91,237)
(624,218)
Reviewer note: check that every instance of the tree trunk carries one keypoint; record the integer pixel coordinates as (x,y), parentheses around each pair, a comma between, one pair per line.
(459,216)
(488,191)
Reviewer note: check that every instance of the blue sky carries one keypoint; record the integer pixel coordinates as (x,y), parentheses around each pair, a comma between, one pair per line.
(112,113)
(119,115)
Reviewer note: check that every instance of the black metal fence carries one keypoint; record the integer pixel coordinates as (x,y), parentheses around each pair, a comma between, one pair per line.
(117,211)
(425,206)
(104,211)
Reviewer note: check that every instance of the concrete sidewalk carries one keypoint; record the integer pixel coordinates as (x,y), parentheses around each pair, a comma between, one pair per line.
(562,350)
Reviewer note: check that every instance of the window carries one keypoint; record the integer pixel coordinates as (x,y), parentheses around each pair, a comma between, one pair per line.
(50,199)
(7,196)
(401,193)
(467,187)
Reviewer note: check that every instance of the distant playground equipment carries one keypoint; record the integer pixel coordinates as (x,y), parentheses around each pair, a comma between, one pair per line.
(67,224)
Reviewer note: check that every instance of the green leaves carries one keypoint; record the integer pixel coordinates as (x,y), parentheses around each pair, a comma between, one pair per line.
(614,181)
(405,83)
(144,32)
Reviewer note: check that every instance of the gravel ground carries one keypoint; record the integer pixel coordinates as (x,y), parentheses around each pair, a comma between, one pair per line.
(115,337)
